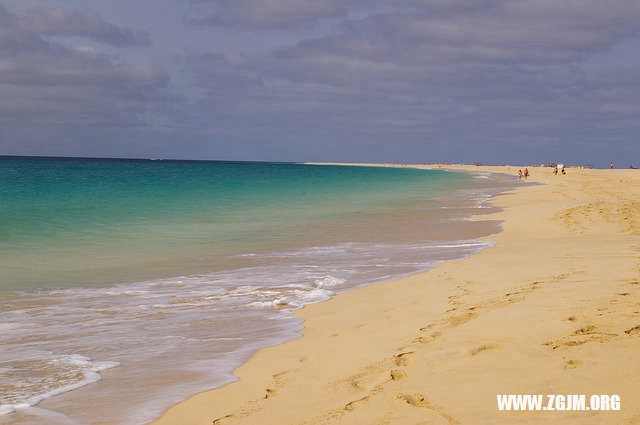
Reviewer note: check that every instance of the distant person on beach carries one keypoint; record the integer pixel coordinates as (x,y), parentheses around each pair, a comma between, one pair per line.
(520,174)
(563,172)
(611,166)
(555,170)
(526,173)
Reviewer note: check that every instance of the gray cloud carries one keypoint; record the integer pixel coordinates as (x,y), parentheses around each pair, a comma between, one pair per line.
(292,14)
(397,80)
(47,84)
(273,14)
(28,26)
(440,79)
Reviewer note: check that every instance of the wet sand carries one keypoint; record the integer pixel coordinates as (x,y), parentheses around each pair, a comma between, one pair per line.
(552,308)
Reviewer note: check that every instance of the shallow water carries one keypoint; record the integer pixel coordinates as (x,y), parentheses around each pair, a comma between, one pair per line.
(162,277)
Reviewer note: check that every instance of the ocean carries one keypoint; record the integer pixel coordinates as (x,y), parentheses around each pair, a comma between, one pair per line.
(137,283)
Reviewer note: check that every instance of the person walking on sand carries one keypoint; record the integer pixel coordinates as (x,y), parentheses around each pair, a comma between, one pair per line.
(520,174)
(563,172)
(611,166)
(526,173)
(555,170)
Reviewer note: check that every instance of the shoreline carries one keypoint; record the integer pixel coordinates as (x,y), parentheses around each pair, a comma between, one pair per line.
(481,327)
(345,266)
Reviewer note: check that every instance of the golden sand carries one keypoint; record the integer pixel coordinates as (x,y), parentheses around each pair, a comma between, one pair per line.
(552,308)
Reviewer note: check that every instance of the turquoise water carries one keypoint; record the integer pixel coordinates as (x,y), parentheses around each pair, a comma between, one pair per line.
(137,283)
(75,221)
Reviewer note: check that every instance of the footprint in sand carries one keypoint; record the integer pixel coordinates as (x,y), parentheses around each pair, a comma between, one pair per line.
(397,375)
(403,359)
(417,400)
(357,403)
(581,336)
(427,339)
(572,364)
(426,328)
(564,344)
(484,347)
(222,420)
(461,319)
(585,330)
(367,382)
(633,331)
(278,378)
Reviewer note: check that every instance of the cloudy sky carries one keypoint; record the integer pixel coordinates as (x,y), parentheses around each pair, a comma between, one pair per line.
(497,81)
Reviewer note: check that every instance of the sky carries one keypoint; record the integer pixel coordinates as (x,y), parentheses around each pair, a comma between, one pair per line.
(494,81)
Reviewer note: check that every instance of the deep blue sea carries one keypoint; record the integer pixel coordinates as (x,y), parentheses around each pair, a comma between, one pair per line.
(138,283)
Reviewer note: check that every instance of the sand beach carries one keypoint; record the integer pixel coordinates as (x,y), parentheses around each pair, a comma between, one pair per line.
(552,308)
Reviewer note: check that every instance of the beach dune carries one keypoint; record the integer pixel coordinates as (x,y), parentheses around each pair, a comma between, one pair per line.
(552,308)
